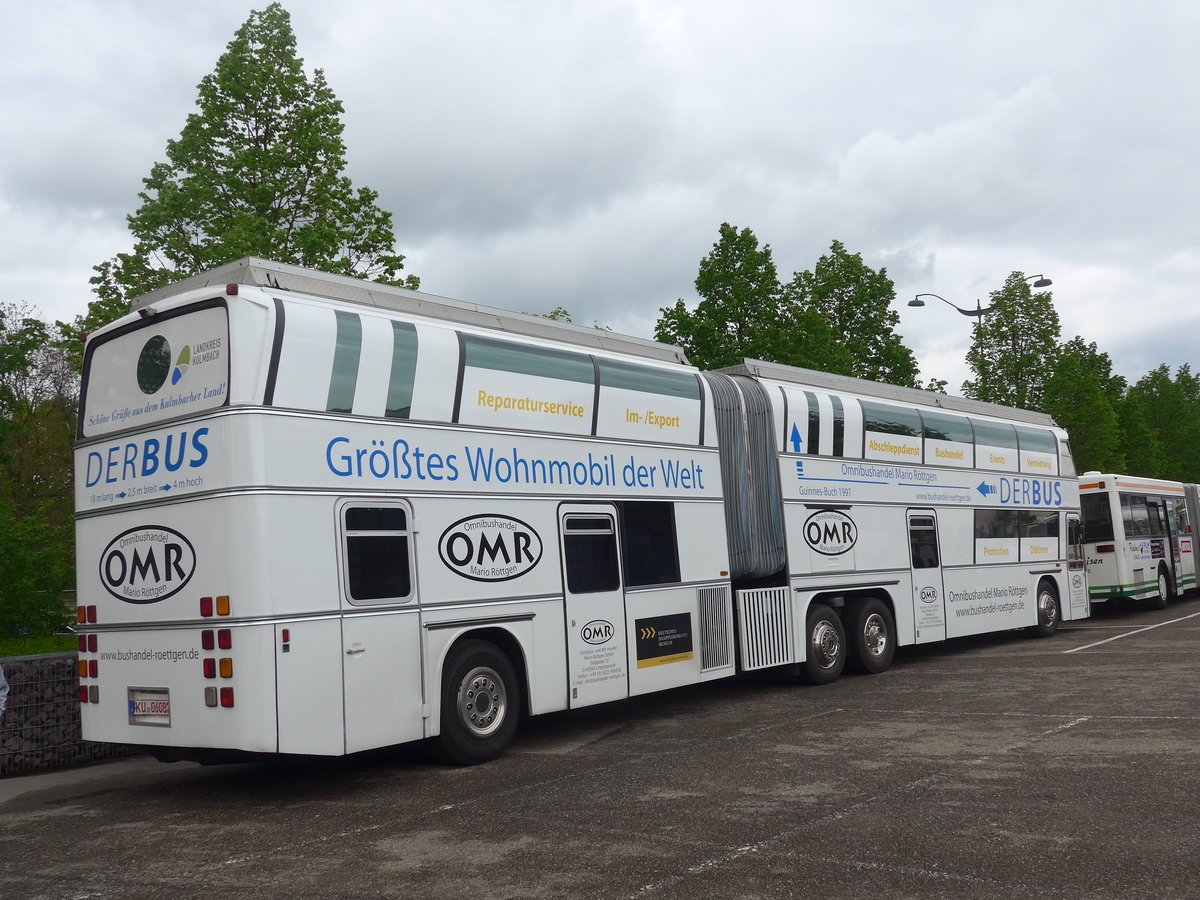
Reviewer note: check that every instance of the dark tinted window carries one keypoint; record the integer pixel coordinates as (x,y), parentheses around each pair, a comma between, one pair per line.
(942,427)
(377,563)
(1097,520)
(922,535)
(648,543)
(590,555)
(995,434)
(996,523)
(886,419)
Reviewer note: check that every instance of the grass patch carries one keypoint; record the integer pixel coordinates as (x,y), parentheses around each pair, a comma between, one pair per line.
(31,646)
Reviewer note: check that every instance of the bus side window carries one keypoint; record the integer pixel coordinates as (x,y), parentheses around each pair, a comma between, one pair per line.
(922,536)
(377,563)
(590,554)
(649,547)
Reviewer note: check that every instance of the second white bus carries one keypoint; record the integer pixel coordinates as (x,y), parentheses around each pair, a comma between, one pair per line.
(1138,537)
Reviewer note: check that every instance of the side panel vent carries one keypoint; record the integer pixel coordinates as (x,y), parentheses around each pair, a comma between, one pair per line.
(716,628)
(766,626)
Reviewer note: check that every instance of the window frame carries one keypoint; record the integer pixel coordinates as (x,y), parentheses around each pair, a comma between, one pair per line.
(346,534)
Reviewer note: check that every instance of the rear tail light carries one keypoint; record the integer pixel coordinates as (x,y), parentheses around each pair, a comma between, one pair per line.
(210,668)
(224,638)
(93,666)
(206,639)
(82,667)
(223,606)
(83,693)
(1106,548)
(206,607)
(227,697)
(82,644)
(226,666)
(91,638)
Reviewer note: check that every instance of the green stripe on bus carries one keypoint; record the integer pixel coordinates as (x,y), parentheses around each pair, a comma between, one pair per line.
(344,378)
(404,370)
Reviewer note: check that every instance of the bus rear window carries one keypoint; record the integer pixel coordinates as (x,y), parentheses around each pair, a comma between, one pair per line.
(161,368)
(1097,519)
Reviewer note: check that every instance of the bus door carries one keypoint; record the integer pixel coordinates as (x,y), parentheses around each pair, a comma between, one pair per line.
(929,600)
(1183,558)
(1077,569)
(597,659)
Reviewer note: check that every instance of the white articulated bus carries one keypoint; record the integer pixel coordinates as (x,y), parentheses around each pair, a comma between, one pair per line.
(317,515)
(1138,534)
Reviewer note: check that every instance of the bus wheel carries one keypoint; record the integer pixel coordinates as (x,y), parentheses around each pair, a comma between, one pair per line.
(481,703)
(871,634)
(826,655)
(1047,610)
(1164,590)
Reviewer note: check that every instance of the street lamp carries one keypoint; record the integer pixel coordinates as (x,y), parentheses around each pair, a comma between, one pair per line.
(1039,281)
(976,313)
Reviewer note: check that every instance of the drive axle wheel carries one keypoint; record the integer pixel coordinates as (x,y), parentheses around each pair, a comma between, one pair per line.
(871,633)
(1048,613)
(826,646)
(481,703)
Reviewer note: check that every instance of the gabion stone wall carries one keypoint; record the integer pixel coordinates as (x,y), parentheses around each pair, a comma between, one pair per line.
(40,730)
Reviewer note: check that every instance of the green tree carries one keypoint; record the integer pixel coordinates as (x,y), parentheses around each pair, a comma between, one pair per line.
(38,398)
(1170,406)
(1013,347)
(1076,394)
(255,172)
(1140,446)
(743,313)
(857,301)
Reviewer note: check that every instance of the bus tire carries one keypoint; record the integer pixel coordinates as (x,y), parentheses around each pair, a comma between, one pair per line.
(826,646)
(870,636)
(1048,612)
(1165,594)
(481,703)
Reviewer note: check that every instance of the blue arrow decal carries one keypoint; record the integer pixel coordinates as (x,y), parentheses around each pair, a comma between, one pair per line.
(985,488)
(166,487)
(122,495)
(797,441)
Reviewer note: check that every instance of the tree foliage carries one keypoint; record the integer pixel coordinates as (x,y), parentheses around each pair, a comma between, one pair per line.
(857,301)
(1169,405)
(1013,347)
(1078,393)
(743,313)
(256,171)
(38,398)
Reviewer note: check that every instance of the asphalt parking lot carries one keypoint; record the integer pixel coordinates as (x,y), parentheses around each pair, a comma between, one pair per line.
(1003,766)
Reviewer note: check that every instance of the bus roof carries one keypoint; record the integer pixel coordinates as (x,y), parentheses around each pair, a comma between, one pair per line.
(846,384)
(284,277)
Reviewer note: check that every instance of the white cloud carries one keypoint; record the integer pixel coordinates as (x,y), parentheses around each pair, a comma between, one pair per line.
(583,153)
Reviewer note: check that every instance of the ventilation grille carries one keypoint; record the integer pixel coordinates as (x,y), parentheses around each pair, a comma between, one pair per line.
(765,620)
(716,627)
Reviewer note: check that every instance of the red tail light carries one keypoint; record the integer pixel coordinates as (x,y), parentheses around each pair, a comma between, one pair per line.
(224,638)
(227,697)
(1106,548)
(210,668)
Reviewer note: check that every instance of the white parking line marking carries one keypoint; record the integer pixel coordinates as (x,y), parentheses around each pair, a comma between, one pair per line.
(1130,633)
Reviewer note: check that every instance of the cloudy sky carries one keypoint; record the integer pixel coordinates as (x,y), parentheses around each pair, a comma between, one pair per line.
(583,154)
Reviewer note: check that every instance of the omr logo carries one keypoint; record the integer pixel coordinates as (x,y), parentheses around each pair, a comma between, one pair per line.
(181,364)
(147,564)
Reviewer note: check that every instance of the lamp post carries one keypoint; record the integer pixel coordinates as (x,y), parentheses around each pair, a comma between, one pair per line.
(1039,281)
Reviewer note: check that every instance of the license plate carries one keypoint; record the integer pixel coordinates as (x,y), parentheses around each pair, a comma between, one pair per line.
(150,706)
